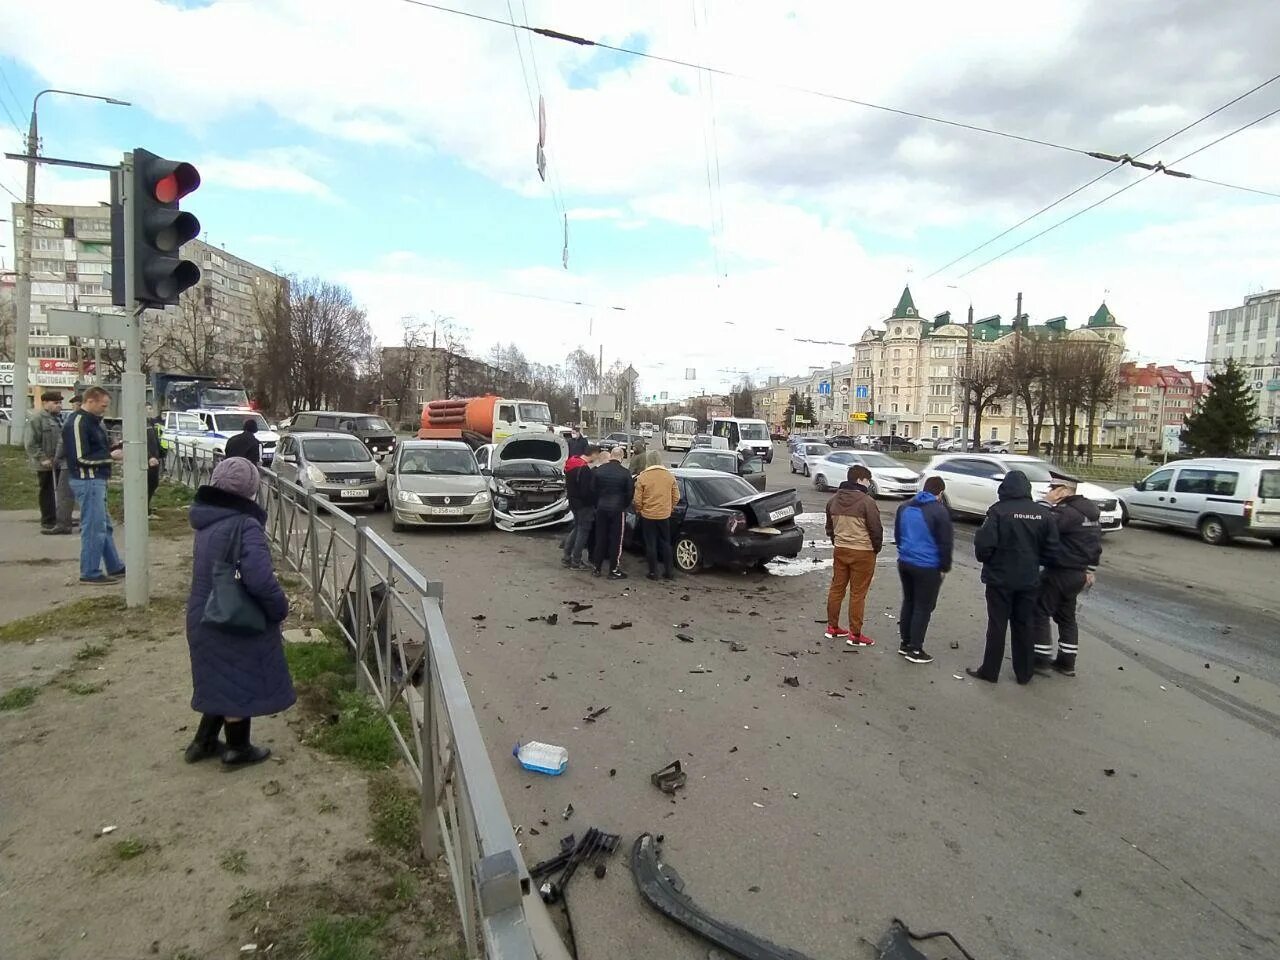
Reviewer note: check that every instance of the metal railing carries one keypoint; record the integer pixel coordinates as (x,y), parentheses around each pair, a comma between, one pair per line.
(393,621)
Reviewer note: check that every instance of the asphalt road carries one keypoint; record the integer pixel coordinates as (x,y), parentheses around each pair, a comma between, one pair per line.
(1128,813)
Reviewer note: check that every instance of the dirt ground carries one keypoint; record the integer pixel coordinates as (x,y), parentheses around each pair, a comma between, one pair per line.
(112,847)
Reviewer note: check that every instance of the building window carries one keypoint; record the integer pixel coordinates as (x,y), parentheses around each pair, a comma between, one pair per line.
(933,432)
(897,371)
(49,223)
(893,407)
(897,353)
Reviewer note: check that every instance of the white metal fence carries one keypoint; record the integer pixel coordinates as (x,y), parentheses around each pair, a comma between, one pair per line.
(393,621)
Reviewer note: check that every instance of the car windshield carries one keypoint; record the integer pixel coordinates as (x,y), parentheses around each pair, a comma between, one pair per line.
(1037,471)
(753,431)
(878,460)
(816,450)
(534,412)
(373,423)
(335,450)
(223,397)
(445,460)
(234,422)
(721,490)
(725,462)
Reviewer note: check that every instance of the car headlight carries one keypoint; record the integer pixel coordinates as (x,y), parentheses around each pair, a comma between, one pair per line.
(315,474)
(407,496)
(504,488)
(378,473)
(481,497)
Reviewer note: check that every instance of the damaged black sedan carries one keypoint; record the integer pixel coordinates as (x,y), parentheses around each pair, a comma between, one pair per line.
(722,520)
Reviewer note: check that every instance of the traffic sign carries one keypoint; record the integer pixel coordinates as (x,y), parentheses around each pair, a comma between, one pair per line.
(630,376)
(86,324)
(858,418)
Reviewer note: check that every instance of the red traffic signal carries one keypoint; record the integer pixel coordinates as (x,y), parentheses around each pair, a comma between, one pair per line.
(159,228)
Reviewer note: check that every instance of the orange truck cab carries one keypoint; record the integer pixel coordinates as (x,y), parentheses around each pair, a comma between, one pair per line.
(481,420)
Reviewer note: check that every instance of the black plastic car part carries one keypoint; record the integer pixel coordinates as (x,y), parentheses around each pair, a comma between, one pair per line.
(662,887)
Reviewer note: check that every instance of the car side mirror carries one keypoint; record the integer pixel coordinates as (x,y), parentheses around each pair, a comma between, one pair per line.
(391,467)
(674,466)
(1140,485)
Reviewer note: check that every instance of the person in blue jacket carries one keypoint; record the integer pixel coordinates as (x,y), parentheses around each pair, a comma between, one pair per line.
(922,530)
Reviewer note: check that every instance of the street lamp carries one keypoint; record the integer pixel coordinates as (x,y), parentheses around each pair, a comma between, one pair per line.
(968,359)
(22,316)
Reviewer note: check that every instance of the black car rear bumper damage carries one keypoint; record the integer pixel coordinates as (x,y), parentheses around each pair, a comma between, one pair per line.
(750,547)
(662,887)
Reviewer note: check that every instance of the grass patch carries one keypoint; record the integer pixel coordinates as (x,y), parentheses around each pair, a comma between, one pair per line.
(361,733)
(81,689)
(88,615)
(247,902)
(93,651)
(344,938)
(406,888)
(19,489)
(131,848)
(170,505)
(313,662)
(393,812)
(235,861)
(19,697)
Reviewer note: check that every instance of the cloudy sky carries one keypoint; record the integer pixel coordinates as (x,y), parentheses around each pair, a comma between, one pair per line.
(392,147)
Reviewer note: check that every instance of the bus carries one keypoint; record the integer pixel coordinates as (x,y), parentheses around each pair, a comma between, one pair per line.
(678,431)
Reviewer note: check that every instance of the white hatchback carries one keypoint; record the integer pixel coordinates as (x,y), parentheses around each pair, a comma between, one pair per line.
(973,483)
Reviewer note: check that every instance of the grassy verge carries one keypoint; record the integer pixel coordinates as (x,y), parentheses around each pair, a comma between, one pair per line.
(18,487)
(19,697)
(96,617)
(170,505)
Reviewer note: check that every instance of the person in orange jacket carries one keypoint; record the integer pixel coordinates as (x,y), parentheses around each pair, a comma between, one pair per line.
(655,499)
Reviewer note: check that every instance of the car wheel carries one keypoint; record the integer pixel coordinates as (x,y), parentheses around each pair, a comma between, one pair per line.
(688,555)
(820,482)
(792,466)
(1214,531)
(1275,541)
(806,469)
(1124,514)
(397,527)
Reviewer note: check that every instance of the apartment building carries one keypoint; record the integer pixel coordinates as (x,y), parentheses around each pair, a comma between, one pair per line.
(1250,335)
(1150,398)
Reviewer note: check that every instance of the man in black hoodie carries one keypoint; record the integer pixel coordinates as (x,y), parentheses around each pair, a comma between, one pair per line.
(1079,553)
(1017,538)
(614,489)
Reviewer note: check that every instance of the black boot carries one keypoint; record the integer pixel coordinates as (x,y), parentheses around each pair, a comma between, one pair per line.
(205,744)
(240,752)
(1065,664)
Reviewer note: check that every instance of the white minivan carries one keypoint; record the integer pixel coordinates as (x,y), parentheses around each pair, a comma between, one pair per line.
(749,437)
(1218,498)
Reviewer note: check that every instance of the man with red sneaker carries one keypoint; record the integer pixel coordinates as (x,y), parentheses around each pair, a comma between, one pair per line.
(853,524)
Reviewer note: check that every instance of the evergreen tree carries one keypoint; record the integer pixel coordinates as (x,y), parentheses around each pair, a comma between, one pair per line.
(809,415)
(1225,417)
(795,407)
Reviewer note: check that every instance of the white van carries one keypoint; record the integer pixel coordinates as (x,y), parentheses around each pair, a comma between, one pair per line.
(748,437)
(1219,498)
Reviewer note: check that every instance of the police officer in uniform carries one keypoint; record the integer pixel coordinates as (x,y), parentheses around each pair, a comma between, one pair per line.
(1068,573)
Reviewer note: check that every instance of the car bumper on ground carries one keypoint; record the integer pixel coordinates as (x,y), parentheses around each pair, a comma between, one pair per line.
(513,521)
(748,548)
(425,515)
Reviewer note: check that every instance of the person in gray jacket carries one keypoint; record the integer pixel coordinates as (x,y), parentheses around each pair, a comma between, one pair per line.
(66,499)
(43,432)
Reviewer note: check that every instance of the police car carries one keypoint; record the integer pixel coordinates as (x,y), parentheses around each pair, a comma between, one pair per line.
(209,430)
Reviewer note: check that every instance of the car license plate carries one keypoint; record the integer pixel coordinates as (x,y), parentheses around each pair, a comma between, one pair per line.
(782,514)
(353,494)
(447,511)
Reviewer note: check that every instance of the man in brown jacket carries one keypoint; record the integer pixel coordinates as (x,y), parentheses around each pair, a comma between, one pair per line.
(656,496)
(853,524)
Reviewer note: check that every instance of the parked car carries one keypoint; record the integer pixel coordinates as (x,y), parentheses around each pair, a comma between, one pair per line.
(806,456)
(526,480)
(212,429)
(796,439)
(750,469)
(926,443)
(437,482)
(335,466)
(701,440)
(891,442)
(889,478)
(842,440)
(973,483)
(723,520)
(995,446)
(629,442)
(777,434)
(1219,498)
(374,432)
(949,444)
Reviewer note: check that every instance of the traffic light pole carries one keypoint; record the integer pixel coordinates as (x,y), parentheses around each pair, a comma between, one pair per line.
(137,584)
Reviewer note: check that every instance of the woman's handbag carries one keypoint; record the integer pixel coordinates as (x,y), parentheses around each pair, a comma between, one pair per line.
(230,607)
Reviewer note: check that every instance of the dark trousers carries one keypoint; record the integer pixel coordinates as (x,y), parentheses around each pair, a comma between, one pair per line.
(66,499)
(920,586)
(582,536)
(153,481)
(608,539)
(657,544)
(1058,592)
(48,498)
(1011,611)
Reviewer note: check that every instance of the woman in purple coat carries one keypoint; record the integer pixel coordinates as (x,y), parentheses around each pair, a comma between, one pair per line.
(234,677)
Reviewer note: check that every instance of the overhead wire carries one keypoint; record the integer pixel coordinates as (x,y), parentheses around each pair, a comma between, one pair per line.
(1110,170)
(706,158)
(17,104)
(715,140)
(1125,188)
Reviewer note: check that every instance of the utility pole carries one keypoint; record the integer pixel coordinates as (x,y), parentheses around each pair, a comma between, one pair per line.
(1017,340)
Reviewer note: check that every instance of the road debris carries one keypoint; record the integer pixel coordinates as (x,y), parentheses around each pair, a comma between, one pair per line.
(586,623)
(595,847)
(593,715)
(479,616)
(1110,771)
(791,681)
(684,638)
(576,607)
(623,625)
(568,812)
(700,669)
(542,757)
(108,829)
(670,778)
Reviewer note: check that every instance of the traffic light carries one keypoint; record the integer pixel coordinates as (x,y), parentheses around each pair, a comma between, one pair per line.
(871,419)
(159,231)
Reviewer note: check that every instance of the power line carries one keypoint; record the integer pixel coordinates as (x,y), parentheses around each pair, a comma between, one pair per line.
(1111,170)
(706,158)
(557,190)
(724,72)
(1117,193)
(16,102)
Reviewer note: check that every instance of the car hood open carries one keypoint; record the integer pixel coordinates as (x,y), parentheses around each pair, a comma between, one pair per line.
(544,447)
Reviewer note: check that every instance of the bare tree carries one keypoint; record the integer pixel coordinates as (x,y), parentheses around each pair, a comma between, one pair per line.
(1024,362)
(1099,385)
(983,380)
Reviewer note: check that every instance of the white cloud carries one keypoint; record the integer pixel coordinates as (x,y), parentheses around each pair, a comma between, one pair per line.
(279,170)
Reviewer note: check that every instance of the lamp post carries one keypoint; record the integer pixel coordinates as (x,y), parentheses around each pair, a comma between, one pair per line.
(22,312)
(968,360)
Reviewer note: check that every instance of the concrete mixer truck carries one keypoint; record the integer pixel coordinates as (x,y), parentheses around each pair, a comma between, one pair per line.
(483,420)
